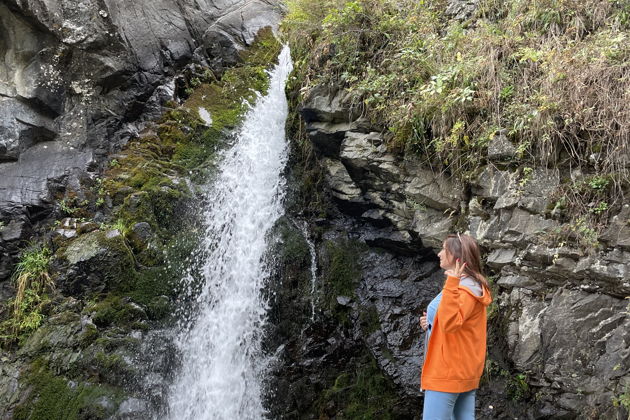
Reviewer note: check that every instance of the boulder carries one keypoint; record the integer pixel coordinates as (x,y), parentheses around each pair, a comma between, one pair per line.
(341,184)
(429,189)
(97,261)
(26,181)
(618,232)
(500,148)
(323,104)
(368,160)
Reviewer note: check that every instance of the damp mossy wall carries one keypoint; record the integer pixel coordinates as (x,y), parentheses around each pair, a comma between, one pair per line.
(55,397)
(360,391)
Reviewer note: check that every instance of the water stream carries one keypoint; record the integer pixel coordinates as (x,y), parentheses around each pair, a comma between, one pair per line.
(313,253)
(223,367)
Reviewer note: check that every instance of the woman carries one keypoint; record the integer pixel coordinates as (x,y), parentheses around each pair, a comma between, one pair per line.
(455,325)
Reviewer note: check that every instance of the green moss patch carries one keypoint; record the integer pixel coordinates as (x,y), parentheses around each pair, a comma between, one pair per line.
(113,310)
(342,272)
(54,397)
(360,392)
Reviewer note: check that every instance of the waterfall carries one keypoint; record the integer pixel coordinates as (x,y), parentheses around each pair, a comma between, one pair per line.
(222,364)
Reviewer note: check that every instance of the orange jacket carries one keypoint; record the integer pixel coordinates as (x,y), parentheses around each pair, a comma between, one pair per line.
(457,348)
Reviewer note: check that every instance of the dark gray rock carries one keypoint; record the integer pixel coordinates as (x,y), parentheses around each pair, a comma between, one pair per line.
(97,261)
(327,137)
(325,105)
(618,231)
(367,159)
(13,231)
(518,281)
(577,340)
(500,257)
(500,149)
(492,183)
(461,9)
(399,290)
(75,72)
(26,181)
(429,189)
(341,184)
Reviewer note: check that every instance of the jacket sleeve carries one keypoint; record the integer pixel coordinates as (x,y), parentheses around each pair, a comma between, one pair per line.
(455,306)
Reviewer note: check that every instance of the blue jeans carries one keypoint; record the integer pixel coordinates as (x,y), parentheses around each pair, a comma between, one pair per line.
(449,406)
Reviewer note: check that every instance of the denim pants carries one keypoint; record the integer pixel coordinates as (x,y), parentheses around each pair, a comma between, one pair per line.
(449,406)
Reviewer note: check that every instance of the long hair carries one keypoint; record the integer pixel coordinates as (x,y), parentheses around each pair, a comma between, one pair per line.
(465,248)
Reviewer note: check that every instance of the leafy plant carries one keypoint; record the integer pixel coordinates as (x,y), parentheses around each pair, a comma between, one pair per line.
(599,182)
(623,400)
(518,388)
(66,206)
(600,208)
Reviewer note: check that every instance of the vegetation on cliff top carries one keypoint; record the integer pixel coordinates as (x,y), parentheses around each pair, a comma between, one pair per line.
(550,76)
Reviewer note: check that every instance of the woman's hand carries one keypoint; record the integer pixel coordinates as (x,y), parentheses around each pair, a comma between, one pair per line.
(424,323)
(458,270)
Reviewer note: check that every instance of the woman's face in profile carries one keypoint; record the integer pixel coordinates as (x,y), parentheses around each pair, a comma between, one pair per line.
(447,261)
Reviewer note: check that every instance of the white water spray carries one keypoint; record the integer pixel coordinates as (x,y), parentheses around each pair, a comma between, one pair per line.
(222,364)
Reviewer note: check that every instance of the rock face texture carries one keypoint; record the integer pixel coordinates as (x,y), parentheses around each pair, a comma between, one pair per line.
(560,331)
(77,78)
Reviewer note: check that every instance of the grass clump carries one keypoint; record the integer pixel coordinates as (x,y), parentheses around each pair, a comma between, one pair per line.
(33,282)
(623,400)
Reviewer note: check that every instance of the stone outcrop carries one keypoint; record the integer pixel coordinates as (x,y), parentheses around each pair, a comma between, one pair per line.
(562,319)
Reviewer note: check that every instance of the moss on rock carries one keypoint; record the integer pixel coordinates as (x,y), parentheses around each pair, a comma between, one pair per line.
(100,261)
(53,397)
(361,391)
(342,271)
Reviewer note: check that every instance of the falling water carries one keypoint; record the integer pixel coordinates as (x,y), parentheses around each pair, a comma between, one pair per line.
(311,247)
(222,363)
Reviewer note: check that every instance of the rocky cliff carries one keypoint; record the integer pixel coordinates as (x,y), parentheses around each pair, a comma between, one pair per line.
(78,78)
(559,343)
(418,119)
(105,136)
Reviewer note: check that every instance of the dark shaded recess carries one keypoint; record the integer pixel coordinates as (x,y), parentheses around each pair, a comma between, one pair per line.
(38,213)
(118,79)
(309,115)
(352,209)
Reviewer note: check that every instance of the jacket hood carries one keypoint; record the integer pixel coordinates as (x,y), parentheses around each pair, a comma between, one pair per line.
(470,285)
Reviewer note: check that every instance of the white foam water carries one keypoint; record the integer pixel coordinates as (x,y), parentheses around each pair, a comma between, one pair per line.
(223,368)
